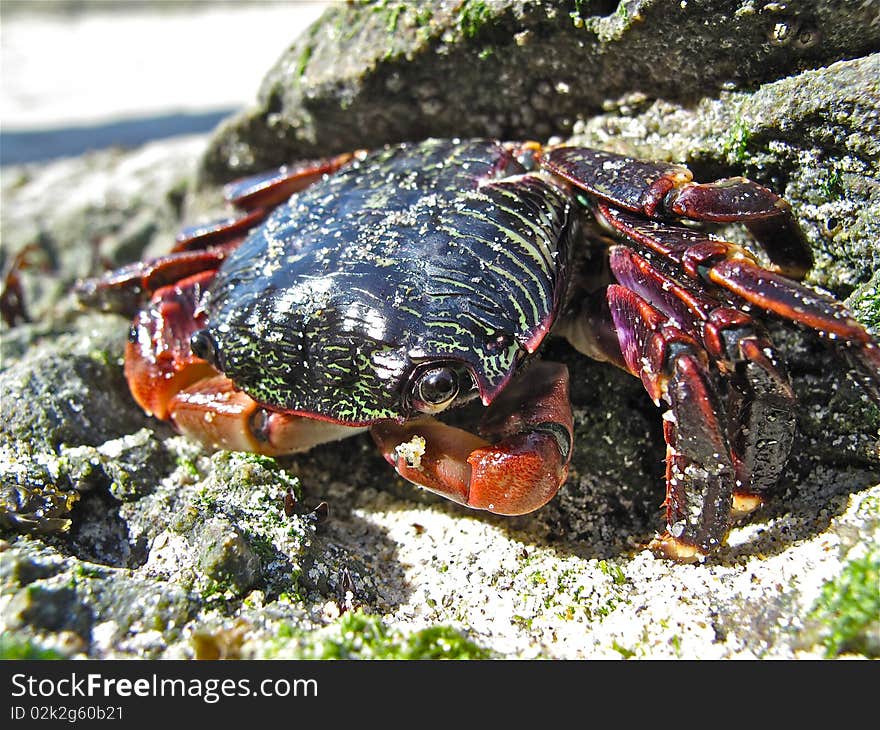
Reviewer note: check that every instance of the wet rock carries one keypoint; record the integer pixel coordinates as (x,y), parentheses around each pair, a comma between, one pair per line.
(49,608)
(104,608)
(225,556)
(69,390)
(236,531)
(67,422)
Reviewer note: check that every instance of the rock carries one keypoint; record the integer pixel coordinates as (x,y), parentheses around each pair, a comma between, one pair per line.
(73,390)
(225,556)
(369,74)
(106,609)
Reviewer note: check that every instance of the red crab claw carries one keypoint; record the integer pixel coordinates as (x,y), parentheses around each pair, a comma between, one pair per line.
(517,464)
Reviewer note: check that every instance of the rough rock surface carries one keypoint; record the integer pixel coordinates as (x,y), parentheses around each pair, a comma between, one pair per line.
(390,71)
(120,538)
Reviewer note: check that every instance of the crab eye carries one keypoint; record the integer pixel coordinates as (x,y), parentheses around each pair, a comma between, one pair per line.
(203,345)
(435,389)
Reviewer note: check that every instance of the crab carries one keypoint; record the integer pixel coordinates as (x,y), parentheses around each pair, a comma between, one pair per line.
(380,290)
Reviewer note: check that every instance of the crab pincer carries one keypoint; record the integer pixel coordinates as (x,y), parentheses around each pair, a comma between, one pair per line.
(517,463)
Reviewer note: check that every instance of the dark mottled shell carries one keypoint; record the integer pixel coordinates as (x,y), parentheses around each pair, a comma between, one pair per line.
(418,253)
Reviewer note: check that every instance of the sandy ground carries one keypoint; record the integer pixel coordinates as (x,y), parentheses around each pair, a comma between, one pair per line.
(58,70)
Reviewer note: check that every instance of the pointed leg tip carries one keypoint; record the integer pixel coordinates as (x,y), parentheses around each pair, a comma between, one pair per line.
(744,504)
(671,548)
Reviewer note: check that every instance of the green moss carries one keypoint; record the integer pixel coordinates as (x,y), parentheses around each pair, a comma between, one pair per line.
(849,608)
(104,358)
(284,630)
(622,650)
(865,303)
(13,648)
(737,141)
(615,572)
(303,60)
(443,642)
(357,635)
(578,14)
(393,16)
(422,16)
(88,570)
(472,16)
(832,186)
(188,465)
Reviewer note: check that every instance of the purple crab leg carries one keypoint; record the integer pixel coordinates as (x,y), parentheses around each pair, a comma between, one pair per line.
(221,232)
(756,392)
(257,195)
(268,189)
(662,191)
(700,471)
(124,290)
(736,275)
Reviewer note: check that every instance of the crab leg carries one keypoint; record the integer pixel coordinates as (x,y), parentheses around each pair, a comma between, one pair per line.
(662,191)
(734,272)
(758,395)
(700,471)
(159,361)
(268,189)
(517,464)
(123,290)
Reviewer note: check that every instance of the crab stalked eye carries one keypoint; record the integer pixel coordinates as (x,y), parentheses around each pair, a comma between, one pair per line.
(435,389)
(203,345)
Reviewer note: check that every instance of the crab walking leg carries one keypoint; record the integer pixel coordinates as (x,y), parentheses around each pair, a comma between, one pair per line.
(227,232)
(257,195)
(125,289)
(661,191)
(798,303)
(757,393)
(733,273)
(518,466)
(700,471)
(268,189)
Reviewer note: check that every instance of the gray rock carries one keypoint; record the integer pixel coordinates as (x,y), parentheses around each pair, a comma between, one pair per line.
(225,557)
(105,609)
(369,74)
